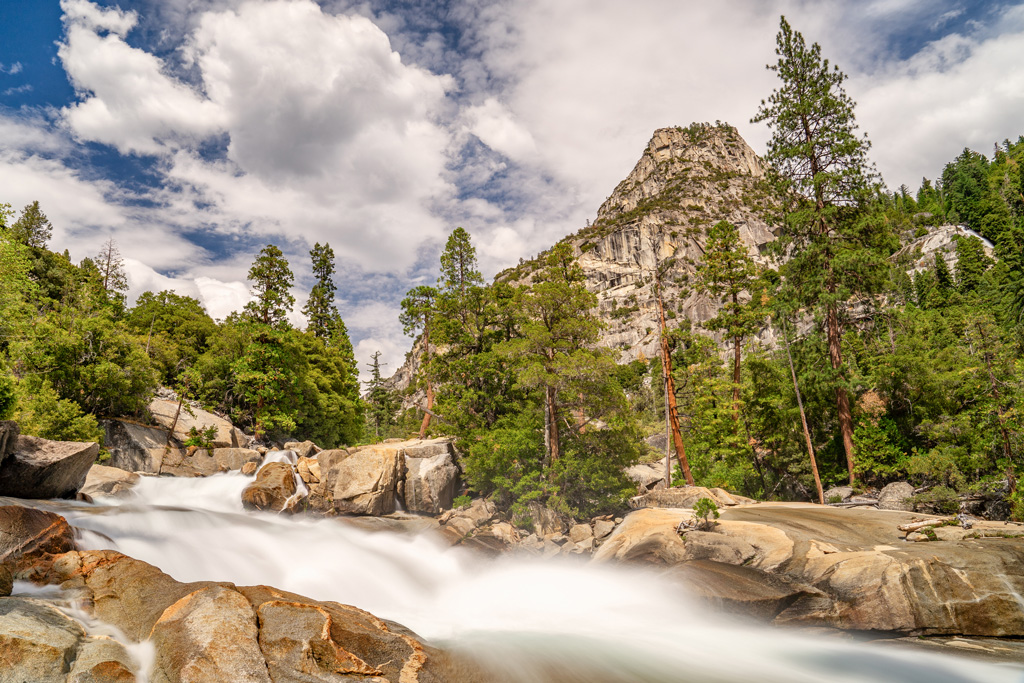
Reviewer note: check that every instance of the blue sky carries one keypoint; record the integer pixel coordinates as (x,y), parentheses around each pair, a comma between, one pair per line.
(193,133)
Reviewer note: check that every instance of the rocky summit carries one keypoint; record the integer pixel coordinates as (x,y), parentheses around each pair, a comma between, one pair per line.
(686,180)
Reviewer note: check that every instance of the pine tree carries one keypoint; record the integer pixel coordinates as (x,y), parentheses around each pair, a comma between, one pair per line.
(319,310)
(113,277)
(32,228)
(971,263)
(820,165)
(943,278)
(379,399)
(271,279)
(459,270)
(727,272)
(418,309)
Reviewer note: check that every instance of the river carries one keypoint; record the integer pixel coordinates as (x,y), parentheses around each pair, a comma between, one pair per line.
(528,620)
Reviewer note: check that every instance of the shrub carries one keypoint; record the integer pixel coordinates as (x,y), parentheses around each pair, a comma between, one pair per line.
(704,510)
(461,502)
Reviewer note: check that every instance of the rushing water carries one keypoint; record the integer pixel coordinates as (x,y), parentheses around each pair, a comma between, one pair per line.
(529,620)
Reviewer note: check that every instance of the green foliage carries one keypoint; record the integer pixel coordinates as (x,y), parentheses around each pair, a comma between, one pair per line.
(271,278)
(705,510)
(8,397)
(175,330)
(33,228)
(201,438)
(42,412)
(381,402)
(460,502)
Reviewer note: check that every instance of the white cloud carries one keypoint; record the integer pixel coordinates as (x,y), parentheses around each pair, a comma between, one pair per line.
(222,298)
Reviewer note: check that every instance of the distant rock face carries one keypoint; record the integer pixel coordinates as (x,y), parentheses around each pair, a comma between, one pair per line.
(920,254)
(686,181)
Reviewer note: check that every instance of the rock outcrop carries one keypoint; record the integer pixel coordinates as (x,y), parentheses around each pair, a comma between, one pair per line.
(108,481)
(208,631)
(166,413)
(920,253)
(839,568)
(431,477)
(273,488)
(30,537)
(40,468)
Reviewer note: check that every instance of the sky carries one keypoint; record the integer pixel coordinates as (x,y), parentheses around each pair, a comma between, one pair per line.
(195,132)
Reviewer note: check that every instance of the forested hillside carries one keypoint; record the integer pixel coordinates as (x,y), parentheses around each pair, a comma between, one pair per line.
(826,348)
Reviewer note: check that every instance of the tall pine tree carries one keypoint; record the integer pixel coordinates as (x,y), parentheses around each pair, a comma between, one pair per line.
(821,168)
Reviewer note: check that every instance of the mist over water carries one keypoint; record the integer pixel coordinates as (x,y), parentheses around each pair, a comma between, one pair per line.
(525,619)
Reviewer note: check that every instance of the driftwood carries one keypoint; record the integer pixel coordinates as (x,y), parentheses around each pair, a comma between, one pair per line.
(855,504)
(917,526)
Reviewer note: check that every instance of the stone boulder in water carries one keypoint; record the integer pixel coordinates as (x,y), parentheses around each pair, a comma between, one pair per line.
(29,537)
(41,644)
(366,481)
(40,468)
(431,477)
(108,481)
(208,631)
(274,486)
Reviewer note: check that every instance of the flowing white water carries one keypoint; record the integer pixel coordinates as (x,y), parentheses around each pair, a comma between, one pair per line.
(528,620)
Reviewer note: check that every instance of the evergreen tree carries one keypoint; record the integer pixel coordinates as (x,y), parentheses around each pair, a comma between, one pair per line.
(418,310)
(459,270)
(726,273)
(32,228)
(319,310)
(379,400)
(971,263)
(271,279)
(820,164)
(943,278)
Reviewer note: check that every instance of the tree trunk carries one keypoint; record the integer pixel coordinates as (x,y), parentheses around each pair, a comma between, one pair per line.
(803,420)
(736,381)
(553,451)
(430,386)
(835,354)
(670,406)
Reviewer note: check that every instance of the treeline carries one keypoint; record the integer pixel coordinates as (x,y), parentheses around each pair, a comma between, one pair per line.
(72,351)
(835,366)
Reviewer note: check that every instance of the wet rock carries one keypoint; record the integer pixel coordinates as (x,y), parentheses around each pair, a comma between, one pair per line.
(303,449)
(896,496)
(108,481)
(40,468)
(37,642)
(457,525)
(211,634)
(29,537)
(274,485)
(740,590)
(102,660)
(430,482)
(309,470)
(250,468)
(366,481)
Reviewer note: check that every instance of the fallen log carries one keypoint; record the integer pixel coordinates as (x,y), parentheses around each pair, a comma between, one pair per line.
(917,526)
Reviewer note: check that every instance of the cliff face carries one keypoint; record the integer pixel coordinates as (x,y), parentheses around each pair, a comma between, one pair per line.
(686,180)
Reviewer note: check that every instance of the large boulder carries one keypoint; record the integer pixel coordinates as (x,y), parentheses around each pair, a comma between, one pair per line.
(303,449)
(430,482)
(108,481)
(166,413)
(134,447)
(37,642)
(366,481)
(29,536)
(219,632)
(201,462)
(647,476)
(274,486)
(40,468)
(896,496)
(847,568)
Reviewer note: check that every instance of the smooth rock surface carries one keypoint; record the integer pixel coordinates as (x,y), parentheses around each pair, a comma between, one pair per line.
(686,497)
(37,642)
(895,496)
(366,481)
(40,468)
(29,536)
(430,483)
(273,487)
(108,481)
(303,449)
(134,447)
(165,411)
